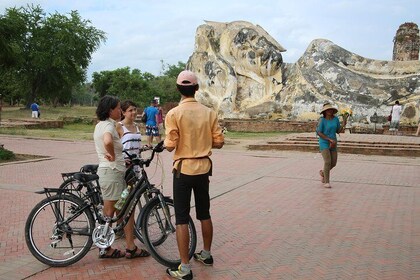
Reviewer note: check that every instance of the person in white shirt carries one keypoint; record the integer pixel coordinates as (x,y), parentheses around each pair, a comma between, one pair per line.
(395,118)
(111,171)
(128,129)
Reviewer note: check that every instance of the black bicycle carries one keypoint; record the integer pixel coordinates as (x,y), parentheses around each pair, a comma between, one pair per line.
(61,229)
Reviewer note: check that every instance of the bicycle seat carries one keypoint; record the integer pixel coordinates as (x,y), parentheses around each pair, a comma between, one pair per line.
(68,174)
(85,178)
(89,168)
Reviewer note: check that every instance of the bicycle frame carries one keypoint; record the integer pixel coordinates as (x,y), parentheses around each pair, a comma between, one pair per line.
(133,198)
(142,186)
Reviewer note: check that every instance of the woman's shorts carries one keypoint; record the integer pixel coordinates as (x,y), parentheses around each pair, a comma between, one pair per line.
(112,183)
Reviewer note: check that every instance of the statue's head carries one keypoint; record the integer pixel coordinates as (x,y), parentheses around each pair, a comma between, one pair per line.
(231,54)
(252,47)
(256,51)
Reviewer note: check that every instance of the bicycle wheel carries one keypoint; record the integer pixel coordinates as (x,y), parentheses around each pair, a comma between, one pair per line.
(159,239)
(144,199)
(71,185)
(58,232)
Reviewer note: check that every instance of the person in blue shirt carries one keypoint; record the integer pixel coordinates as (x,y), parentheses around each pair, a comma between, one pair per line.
(35,110)
(152,129)
(328,126)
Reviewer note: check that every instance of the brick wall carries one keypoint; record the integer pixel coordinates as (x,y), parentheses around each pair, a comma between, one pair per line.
(255,125)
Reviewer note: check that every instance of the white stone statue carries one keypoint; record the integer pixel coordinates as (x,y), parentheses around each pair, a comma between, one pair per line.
(242,75)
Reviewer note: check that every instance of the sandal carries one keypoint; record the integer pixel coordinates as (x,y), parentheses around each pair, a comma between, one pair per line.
(321,173)
(116,254)
(131,254)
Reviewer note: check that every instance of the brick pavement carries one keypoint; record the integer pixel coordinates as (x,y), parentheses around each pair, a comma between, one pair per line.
(272,218)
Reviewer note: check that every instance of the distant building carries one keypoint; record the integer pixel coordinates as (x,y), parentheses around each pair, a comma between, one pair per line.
(406,42)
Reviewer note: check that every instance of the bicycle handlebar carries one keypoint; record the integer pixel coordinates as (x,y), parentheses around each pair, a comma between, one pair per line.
(146,162)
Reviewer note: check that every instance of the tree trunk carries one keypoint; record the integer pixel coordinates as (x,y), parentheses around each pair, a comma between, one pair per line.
(32,94)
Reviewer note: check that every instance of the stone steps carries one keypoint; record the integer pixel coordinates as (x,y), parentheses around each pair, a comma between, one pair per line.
(386,146)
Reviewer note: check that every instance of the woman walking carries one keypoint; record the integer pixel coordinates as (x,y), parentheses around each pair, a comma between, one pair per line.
(328,127)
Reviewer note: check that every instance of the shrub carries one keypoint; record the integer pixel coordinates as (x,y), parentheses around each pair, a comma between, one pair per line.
(6,154)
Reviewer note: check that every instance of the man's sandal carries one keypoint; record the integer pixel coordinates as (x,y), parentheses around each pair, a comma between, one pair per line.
(116,254)
(131,254)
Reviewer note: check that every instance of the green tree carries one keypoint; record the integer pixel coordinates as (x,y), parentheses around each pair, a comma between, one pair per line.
(124,83)
(172,70)
(50,53)
(10,29)
(84,95)
(138,86)
(165,85)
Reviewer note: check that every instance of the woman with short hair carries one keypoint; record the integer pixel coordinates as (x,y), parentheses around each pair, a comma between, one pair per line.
(111,170)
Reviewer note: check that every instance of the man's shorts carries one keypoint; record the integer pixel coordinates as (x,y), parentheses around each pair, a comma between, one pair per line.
(182,188)
(112,183)
(152,130)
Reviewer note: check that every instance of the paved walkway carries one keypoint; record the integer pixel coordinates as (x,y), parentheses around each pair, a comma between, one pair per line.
(272,218)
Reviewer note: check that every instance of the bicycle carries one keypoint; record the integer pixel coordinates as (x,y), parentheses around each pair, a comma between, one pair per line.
(92,188)
(61,228)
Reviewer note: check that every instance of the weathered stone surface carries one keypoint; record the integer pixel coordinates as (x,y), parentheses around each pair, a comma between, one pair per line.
(406,42)
(242,75)
(329,72)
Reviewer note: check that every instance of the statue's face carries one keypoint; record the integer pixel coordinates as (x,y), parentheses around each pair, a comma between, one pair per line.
(260,54)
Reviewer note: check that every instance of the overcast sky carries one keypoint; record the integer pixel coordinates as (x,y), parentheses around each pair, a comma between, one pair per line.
(142,33)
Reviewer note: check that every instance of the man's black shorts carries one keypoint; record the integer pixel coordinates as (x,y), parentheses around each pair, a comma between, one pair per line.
(182,187)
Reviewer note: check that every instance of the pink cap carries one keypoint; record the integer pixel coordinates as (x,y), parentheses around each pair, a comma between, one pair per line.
(186,78)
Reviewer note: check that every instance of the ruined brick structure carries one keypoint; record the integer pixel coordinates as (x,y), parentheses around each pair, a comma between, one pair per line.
(406,42)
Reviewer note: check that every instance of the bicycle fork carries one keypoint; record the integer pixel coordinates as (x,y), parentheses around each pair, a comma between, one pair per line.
(169,227)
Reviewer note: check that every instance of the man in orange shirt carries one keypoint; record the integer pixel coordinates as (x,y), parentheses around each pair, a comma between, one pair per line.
(192,130)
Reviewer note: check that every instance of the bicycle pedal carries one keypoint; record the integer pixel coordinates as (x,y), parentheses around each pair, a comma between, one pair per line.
(102,252)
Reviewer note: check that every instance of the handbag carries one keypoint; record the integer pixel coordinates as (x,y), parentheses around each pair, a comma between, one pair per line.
(144,117)
(390,115)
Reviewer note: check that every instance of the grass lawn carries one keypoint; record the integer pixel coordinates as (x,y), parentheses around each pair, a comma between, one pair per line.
(49,113)
(81,131)
(69,131)
(74,131)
